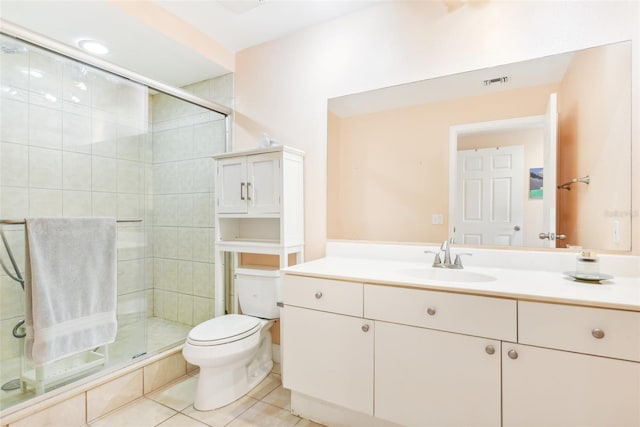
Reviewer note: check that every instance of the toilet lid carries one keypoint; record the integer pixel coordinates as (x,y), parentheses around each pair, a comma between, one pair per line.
(220,330)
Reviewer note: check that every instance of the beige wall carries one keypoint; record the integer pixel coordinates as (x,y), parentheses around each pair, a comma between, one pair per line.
(396,42)
(393,166)
(595,144)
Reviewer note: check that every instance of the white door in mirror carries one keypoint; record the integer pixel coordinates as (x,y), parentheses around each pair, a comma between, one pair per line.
(490,206)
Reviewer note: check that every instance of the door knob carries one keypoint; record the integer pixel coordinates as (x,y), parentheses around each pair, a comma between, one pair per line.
(550,236)
(561,236)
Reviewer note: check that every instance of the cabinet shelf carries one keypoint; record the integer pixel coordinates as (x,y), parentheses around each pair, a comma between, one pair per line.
(257,246)
(247,216)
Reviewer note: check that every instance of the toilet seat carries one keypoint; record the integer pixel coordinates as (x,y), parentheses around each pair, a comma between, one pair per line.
(223,330)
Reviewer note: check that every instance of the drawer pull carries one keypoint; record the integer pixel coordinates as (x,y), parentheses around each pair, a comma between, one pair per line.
(431,311)
(365,328)
(512,354)
(490,349)
(318,295)
(597,333)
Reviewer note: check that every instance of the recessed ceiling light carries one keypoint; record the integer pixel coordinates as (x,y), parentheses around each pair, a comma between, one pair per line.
(94,47)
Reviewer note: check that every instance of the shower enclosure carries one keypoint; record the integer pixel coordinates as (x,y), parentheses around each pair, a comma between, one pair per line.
(76,140)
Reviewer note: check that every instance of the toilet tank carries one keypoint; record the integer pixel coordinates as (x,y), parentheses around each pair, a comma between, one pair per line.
(259,290)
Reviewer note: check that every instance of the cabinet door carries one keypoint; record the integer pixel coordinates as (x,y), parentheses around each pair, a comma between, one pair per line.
(231,185)
(263,192)
(543,387)
(328,356)
(433,378)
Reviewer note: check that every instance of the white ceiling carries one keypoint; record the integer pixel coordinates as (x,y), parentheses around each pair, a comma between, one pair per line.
(240,24)
(134,46)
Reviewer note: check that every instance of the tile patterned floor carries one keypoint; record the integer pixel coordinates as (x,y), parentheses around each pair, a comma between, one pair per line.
(266,405)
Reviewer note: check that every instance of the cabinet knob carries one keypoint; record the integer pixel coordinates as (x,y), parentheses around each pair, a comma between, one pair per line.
(431,311)
(490,349)
(597,333)
(318,295)
(365,328)
(512,354)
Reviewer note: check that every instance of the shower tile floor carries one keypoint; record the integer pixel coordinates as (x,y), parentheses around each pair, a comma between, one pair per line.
(269,404)
(160,334)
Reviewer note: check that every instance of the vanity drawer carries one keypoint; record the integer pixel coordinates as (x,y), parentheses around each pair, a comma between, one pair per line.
(465,314)
(334,296)
(599,331)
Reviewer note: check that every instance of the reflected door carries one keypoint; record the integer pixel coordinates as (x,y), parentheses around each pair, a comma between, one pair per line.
(490,188)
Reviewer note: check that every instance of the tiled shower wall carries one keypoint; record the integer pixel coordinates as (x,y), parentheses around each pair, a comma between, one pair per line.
(76,141)
(185,137)
(73,142)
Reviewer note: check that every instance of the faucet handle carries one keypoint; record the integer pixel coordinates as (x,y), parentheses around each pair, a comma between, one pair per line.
(458,261)
(436,259)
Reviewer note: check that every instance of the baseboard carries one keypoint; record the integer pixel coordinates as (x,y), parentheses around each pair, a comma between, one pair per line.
(329,414)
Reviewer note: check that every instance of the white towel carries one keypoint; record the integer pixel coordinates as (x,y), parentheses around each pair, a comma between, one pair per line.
(70,286)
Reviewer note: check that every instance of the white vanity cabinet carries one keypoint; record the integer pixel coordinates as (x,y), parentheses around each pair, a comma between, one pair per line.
(546,387)
(325,354)
(435,357)
(422,376)
(573,366)
(432,378)
(249,184)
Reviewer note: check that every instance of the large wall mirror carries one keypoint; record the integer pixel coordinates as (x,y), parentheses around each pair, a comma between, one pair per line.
(531,154)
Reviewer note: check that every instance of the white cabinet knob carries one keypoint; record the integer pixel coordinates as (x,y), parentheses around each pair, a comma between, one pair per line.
(431,311)
(512,354)
(490,349)
(318,295)
(365,328)
(597,333)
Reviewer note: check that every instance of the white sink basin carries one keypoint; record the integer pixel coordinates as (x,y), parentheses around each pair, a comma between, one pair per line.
(448,275)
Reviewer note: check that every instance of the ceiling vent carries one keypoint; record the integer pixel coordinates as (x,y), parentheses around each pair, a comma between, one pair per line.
(496,80)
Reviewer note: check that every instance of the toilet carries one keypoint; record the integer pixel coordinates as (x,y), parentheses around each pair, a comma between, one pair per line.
(234,351)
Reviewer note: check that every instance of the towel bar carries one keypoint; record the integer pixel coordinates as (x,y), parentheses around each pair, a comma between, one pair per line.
(22,221)
(567,185)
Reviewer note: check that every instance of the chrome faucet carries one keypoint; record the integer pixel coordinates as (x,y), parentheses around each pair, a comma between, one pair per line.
(446,263)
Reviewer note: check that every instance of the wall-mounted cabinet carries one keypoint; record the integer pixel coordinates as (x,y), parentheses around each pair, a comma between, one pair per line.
(259,207)
(249,184)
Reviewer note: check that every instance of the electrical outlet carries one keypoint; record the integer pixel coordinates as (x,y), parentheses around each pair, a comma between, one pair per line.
(437,219)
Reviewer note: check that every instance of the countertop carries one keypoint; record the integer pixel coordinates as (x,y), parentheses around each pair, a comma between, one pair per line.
(533,285)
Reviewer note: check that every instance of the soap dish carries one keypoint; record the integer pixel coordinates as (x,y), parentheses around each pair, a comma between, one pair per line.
(588,277)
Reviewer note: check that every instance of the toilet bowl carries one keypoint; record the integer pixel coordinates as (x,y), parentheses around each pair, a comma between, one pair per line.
(234,351)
